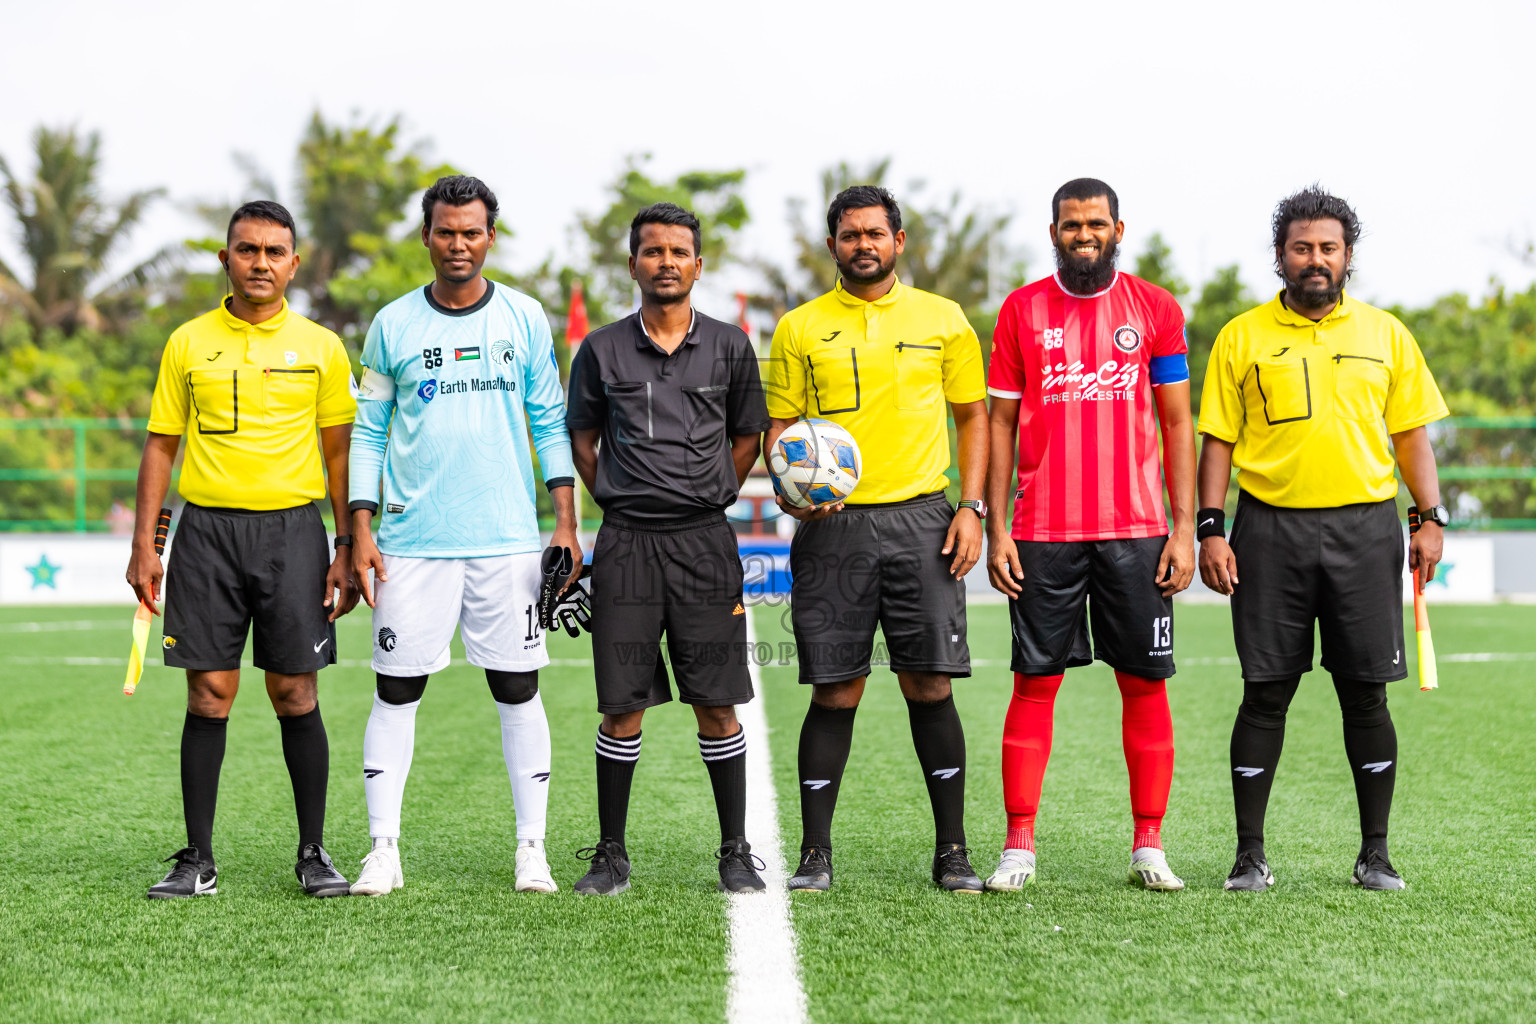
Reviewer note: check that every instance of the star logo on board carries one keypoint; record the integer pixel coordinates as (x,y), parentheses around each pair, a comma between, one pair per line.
(44,573)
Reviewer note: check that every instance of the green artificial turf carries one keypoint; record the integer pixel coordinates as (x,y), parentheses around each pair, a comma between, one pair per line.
(1083,945)
(91,801)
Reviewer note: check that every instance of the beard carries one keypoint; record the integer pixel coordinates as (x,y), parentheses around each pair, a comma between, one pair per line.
(1305,291)
(1084,277)
(880,273)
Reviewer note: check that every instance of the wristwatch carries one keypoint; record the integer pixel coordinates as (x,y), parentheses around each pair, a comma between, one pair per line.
(1438,514)
(975,505)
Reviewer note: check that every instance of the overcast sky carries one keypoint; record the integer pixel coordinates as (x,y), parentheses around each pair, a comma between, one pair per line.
(1200,115)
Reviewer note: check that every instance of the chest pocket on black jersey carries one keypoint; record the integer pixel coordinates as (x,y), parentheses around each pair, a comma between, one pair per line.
(704,412)
(834,374)
(630,403)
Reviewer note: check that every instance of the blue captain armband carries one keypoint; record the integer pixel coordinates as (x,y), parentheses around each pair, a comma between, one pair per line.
(1169,369)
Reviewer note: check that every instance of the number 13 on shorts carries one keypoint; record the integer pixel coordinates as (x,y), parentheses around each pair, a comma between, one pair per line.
(1162,634)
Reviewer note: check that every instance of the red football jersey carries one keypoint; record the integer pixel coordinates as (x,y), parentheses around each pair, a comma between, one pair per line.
(1083,368)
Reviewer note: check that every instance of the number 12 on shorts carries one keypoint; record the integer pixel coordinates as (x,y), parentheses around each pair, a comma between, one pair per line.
(1162,633)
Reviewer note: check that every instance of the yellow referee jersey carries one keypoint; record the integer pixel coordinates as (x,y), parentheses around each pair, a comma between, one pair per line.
(1310,406)
(883,370)
(249,397)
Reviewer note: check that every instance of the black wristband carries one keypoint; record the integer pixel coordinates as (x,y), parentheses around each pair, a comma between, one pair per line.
(1210,522)
(344,541)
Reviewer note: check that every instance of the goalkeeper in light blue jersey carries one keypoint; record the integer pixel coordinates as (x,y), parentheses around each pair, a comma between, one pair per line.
(457,375)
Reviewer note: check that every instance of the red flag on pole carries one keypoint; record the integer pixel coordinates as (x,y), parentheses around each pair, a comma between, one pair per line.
(576,323)
(741,313)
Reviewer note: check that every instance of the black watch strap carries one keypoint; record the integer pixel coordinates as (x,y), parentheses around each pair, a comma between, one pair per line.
(344,540)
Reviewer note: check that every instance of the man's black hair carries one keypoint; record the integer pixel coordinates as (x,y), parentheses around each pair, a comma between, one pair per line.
(666,213)
(1083,189)
(459,190)
(1310,204)
(263,209)
(859,197)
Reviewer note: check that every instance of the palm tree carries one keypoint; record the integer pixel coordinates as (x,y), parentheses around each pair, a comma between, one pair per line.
(68,231)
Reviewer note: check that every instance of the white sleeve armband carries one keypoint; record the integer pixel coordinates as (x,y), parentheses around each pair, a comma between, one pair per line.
(376,386)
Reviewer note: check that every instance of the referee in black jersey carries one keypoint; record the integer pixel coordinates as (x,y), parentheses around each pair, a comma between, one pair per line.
(666,413)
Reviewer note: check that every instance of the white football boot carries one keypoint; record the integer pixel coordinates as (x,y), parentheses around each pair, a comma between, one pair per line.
(532,868)
(381,872)
(1014,872)
(1150,868)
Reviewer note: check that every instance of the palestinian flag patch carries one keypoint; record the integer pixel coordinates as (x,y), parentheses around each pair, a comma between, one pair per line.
(462,354)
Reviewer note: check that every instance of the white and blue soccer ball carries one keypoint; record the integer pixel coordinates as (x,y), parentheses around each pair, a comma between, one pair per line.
(815,462)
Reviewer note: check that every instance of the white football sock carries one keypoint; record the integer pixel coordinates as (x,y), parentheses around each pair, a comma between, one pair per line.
(525,746)
(388,743)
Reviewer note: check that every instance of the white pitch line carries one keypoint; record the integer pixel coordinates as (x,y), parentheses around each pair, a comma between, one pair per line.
(765,970)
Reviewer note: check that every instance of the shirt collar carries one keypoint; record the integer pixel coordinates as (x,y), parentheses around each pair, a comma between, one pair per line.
(691,338)
(1102,291)
(271,325)
(890,298)
(1289,316)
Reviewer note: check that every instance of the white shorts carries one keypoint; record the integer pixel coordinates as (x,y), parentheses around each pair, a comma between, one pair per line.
(494,600)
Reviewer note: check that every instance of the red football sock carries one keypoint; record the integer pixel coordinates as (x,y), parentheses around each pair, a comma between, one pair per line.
(1026,749)
(1147,732)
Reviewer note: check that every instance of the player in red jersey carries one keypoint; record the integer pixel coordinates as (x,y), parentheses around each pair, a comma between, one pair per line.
(1079,359)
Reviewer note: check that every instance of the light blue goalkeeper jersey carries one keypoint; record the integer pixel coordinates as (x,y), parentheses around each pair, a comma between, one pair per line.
(448,400)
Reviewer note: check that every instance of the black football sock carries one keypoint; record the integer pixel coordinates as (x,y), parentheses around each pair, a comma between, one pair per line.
(825,740)
(308,754)
(1257,737)
(1370,740)
(940,742)
(616,759)
(726,759)
(202,755)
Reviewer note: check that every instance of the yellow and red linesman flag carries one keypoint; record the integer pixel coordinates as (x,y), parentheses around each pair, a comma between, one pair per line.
(142,614)
(1429,672)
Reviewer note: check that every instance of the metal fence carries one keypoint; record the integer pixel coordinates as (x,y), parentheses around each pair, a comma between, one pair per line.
(90,490)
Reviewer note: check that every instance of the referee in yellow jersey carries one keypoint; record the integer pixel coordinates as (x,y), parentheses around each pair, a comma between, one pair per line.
(1303,395)
(882,359)
(248,384)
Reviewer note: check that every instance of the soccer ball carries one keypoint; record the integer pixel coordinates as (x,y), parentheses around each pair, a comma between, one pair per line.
(815,462)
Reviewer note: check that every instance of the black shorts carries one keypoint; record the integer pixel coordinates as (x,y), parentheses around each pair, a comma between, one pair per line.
(232,570)
(1113,582)
(1339,567)
(682,578)
(878,564)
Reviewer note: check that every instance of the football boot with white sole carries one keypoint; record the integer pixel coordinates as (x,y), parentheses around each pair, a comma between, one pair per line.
(1014,871)
(381,872)
(1150,868)
(533,874)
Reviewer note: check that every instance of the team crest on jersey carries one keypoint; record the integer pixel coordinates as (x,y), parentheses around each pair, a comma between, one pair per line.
(1127,338)
(387,639)
(290,358)
(427,391)
(501,352)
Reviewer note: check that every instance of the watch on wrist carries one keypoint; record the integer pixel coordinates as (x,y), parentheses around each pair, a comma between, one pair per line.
(343,541)
(976,505)
(1437,514)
